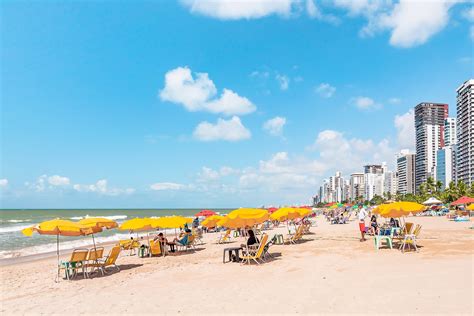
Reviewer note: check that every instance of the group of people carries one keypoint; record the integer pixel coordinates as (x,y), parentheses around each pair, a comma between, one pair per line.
(181,241)
(374,226)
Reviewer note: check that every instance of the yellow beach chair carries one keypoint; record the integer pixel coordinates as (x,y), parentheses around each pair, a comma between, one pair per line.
(223,238)
(129,244)
(108,262)
(77,261)
(410,239)
(156,248)
(255,253)
(292,239)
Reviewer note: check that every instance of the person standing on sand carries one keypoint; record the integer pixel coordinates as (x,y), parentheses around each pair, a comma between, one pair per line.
(362,215)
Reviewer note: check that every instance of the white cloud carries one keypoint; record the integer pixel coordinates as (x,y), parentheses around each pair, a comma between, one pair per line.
(283,81)
(315,12)
(365,103)
(394,101)
(210,175)
(325,90)
(349,154)
(405,125)
(101,187)
(58,180)
(228,130)
(166,186)
(275,126)
(235,10)
(200,94)
(414,22)
(3,183)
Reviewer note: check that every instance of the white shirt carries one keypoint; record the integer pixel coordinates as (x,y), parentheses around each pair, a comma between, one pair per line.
(362,214)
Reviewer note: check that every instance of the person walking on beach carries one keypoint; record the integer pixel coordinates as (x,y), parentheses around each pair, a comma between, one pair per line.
(362,215)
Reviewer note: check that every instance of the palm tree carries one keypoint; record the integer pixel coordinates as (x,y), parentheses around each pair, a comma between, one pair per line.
(462,189)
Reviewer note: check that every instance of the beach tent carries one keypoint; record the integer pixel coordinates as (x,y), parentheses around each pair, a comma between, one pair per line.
(463,200)
(59,227)
(432,201)
(205,213)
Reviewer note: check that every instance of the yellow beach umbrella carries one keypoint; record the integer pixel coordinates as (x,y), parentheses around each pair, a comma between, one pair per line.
(244,217)
(398,209)
(285,214)
(99,222)
(137,224)
(211,221)
(471,207)
(304,212)
(60,227)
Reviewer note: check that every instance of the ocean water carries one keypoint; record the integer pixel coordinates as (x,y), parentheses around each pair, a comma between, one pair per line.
(14,244)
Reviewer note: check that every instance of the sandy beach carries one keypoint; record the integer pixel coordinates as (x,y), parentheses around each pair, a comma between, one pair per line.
(331,271)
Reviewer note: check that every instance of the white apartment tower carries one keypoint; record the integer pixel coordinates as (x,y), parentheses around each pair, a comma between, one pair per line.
(356,186)
(406,172)
(465,132)
(450,133)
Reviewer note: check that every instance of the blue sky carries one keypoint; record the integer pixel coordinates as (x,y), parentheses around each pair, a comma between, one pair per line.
(214,104)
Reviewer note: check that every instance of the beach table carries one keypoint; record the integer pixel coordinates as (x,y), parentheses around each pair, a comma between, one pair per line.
(229,250)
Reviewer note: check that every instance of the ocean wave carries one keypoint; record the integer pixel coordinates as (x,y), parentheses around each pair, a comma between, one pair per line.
(111,217)
(15,221)
(12,229)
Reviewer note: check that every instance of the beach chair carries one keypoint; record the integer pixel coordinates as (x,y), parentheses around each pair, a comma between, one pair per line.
(254,252)
(129,244)
(410,239)
(378,239)
(189,244)
(266,253)
(93,256)
(198,236)
(77,261)
(292,239)
(102,265)
(156,248)
(223,238)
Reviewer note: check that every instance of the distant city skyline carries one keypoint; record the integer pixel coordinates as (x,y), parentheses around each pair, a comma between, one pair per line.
(209,104)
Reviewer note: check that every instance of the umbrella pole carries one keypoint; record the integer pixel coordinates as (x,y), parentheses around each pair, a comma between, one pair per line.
(149,246)
(57,252)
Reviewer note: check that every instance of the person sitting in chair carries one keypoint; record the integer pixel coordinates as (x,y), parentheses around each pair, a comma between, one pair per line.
(373,224)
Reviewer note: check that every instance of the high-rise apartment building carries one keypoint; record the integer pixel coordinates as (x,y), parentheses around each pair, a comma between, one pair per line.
(406,172)
(390,183)
(375,169)
(450,133)
(356,186)
(429,128)
(465,132)
(445,167)
(374,185)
